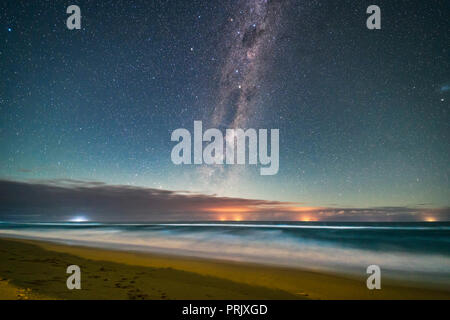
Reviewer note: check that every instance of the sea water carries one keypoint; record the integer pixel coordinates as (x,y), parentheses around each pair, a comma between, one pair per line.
(408,251)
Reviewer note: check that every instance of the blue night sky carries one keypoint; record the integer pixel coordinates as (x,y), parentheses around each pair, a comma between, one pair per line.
(363,114)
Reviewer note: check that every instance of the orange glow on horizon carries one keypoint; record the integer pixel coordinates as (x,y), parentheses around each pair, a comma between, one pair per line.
(303,209)
(306,218)
(237,213)
(430,219)
(230,218)
(229,209)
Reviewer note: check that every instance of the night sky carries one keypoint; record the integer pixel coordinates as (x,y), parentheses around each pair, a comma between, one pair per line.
(363,114)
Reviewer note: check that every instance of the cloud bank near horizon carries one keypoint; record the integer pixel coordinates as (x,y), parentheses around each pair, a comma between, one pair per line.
(60,200)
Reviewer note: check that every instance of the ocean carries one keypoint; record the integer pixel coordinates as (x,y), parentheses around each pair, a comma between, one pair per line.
(416,252)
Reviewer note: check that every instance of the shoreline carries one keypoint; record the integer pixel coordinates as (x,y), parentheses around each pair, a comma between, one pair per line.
(176,277)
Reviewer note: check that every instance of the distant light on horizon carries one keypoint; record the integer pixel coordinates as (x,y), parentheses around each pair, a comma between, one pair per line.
(79,219)
(306,218)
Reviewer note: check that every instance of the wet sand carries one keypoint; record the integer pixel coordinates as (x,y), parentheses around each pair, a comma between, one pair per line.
(32,269)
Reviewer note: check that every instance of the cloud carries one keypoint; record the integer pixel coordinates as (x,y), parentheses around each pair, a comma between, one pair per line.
(61,199)
(54,200)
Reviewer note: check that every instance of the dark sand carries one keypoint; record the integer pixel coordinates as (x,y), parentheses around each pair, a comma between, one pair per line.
(37,270)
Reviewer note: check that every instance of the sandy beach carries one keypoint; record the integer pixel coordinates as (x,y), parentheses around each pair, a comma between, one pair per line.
(32,269)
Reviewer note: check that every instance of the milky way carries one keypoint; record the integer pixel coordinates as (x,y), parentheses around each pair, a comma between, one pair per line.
(251,33)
